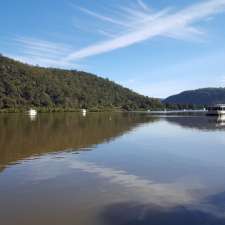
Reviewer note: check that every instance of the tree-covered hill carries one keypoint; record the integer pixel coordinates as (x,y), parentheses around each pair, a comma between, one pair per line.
(23,86)
(204,96)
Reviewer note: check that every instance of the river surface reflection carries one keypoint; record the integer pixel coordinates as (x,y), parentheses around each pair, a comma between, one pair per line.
(112,168)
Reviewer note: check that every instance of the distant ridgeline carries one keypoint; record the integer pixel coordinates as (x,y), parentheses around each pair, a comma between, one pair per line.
(23,86)
(199,97)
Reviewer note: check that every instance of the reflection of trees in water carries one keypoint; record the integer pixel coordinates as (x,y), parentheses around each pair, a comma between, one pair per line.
(198,122)
(21,138)
(2,167)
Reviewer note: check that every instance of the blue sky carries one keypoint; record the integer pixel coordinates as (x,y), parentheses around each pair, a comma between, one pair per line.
(156,48)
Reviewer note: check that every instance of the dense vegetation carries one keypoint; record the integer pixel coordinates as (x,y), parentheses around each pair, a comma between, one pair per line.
(204,97)
(23,86)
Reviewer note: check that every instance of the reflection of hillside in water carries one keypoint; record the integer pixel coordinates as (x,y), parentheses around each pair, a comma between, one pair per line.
(199,122)
(21,138)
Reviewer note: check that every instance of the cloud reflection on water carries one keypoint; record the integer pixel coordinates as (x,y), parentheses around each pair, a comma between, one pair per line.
(166,194)
(147,200)
(145,190)
(170,198)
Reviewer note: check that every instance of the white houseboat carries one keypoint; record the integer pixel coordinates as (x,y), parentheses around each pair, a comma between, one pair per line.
(217,110)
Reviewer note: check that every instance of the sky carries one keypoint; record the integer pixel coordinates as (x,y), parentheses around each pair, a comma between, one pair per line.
(155,47)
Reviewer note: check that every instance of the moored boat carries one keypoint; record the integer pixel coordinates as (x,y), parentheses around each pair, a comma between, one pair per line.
(32,112)
(216,110)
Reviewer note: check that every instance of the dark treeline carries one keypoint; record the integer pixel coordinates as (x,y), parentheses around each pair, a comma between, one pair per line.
(23,86)
(180,106)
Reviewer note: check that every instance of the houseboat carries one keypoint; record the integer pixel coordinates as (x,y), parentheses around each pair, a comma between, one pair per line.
(216,110)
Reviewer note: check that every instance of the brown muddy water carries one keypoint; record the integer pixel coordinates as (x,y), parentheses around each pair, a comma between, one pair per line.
(111,169)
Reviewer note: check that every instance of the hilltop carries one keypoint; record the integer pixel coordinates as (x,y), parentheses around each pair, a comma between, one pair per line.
(203,96)
(23,85)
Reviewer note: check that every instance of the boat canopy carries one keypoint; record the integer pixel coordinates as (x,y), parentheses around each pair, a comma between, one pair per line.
(219,107)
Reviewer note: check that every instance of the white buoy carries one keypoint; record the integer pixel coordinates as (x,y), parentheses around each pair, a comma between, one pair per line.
(84,112)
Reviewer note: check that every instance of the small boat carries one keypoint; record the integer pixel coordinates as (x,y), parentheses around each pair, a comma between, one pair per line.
(32,112)
(84,112)
(216,110)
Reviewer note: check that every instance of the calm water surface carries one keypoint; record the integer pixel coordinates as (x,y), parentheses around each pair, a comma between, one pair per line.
(111,169)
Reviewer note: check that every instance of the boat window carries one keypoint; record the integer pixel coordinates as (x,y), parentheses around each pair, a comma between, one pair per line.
(220,108)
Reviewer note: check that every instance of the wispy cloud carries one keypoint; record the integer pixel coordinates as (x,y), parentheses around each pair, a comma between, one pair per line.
(106,33)
(45,53)
(104,18)
(143,5)
(120,27)
(187,33)
(145,25)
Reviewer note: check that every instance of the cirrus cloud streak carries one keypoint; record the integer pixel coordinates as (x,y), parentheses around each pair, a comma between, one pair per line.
(147,25)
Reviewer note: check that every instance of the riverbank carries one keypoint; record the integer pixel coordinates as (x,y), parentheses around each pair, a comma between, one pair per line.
(49,110)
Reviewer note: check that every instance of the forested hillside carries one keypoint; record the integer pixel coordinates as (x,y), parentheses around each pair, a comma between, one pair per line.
(204,96)
(23,85)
